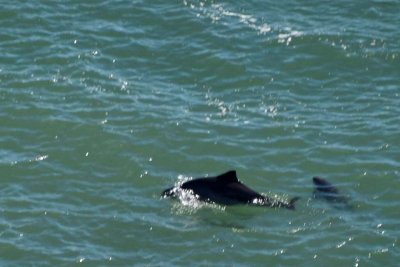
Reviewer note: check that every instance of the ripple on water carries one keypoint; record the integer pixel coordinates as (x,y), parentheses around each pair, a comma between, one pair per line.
(104,105)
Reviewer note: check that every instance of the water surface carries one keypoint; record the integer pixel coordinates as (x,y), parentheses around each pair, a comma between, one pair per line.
(104,104)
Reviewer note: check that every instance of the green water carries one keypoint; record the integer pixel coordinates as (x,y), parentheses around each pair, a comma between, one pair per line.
(104,104)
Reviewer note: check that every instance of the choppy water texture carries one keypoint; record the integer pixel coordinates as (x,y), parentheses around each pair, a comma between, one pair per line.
(103,104)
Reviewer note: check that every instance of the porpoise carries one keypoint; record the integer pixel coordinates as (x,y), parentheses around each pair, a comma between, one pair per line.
(325,190)
(226,189)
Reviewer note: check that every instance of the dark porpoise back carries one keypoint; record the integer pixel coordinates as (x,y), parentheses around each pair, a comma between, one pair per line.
(325,190)
(226,189)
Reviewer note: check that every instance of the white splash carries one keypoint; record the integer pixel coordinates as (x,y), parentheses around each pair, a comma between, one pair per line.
(219,13)
(287,37)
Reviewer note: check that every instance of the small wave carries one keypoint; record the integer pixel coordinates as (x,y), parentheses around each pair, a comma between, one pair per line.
(219,13)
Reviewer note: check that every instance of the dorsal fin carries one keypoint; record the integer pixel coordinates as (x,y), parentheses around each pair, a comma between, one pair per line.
(228,177)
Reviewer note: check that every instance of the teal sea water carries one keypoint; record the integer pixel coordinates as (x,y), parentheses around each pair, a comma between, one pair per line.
(103,104)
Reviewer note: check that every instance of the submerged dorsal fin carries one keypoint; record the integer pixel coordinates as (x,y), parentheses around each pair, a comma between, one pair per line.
(228,177)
